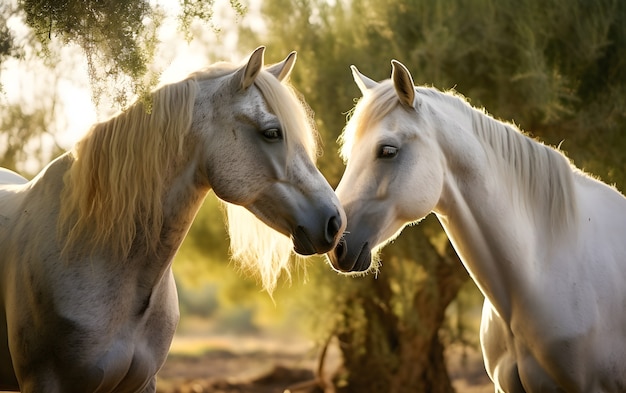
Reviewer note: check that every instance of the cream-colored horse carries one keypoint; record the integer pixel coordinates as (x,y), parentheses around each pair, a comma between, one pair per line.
(543,241)
(89,301)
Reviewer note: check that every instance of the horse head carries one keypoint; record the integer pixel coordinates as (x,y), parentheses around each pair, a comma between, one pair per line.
(258,149)
(394,172)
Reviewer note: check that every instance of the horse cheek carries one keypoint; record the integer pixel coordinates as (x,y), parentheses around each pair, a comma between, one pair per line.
(422,194)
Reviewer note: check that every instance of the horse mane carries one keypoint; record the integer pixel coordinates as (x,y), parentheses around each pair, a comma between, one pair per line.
(113,190)
(540,175)
(254,245)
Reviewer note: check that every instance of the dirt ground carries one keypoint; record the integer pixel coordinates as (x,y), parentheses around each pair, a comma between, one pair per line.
(267,365)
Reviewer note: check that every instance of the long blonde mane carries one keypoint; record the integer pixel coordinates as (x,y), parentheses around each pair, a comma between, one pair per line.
(113,191)
(542,176)
(253,244)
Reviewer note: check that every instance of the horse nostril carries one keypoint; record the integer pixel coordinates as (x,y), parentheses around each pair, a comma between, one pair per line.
(332,228)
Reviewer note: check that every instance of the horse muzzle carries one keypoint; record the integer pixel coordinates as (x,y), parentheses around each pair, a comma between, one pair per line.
(345,259)
(309,239)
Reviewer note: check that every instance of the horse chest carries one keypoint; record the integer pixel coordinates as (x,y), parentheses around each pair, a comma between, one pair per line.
(518,357)
(127,365)
(104,335)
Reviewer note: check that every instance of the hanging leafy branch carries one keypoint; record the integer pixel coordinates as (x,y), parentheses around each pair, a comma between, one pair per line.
(111,33)
(118,37)
(9,48)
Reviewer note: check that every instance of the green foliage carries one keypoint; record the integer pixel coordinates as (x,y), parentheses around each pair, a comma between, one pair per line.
(193,10)
(200,301)
(554,68)
(8,46)
(202,10)
(19,128)
(117,37)
(23,135)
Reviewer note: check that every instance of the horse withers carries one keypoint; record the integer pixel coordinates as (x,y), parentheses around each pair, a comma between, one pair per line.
(89,303)
(543,241)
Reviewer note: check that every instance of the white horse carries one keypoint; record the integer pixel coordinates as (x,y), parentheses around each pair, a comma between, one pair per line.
(89,301)
(543,241)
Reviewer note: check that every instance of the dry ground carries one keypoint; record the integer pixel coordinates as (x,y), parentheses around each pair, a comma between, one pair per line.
(259,364)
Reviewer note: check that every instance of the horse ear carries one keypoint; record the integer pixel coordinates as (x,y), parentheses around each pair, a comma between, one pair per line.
(403,83)
(282,70)
(362,81)
(245,76)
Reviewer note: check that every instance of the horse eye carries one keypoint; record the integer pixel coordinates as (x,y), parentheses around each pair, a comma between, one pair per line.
(272,134)
(387,151)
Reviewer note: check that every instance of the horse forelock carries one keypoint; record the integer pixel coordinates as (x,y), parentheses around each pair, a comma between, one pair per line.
(113,191)
(377,103)
(294,114)
(253,244)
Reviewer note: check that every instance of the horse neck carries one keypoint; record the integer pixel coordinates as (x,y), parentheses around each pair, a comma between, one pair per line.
(488,229)
(183,196)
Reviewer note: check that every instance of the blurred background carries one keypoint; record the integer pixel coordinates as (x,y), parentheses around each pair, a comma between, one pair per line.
(557,69)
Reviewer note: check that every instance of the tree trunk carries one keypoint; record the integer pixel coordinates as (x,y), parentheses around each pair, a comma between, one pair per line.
(389,337)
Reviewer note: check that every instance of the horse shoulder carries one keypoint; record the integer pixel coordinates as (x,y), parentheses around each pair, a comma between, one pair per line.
(602,224)
(136,353)
(598,256)
(569,327)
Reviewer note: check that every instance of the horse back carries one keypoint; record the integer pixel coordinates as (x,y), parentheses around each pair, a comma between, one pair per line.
(11,194)
(13,189)
(7,176)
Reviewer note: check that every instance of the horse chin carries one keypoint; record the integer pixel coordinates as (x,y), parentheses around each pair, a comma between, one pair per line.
(364,260)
